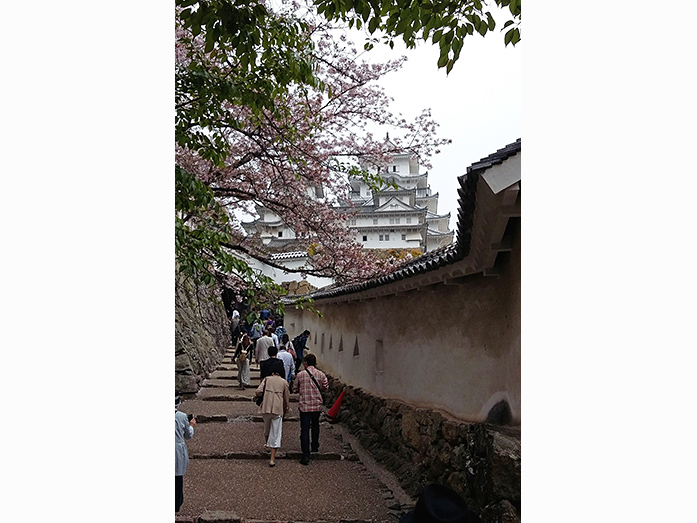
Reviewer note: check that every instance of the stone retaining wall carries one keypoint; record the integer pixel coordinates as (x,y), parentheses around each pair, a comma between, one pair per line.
(202,334)
(421,446)
(298,288)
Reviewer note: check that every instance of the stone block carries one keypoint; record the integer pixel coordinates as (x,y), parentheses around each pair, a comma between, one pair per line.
(186,384)
(504,467)
(501,512)
(458,482)
(450,431)
(458,459)
(410,430)
(445,453)
(219,516)
(182,362)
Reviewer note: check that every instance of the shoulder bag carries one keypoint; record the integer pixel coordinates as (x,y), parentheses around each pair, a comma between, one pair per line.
(260,399)
(323,394)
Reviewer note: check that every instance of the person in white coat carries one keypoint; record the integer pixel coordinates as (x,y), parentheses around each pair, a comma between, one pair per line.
(183,430)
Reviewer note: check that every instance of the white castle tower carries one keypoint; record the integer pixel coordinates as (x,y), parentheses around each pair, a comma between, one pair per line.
(405,217)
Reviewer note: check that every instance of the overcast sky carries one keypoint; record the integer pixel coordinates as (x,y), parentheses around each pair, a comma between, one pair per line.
(478,105)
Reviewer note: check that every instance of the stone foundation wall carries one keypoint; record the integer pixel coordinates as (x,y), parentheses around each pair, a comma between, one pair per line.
(421,446)
(298,288)
(202,335)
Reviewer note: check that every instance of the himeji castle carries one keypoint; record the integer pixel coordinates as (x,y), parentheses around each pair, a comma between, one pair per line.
(405,217)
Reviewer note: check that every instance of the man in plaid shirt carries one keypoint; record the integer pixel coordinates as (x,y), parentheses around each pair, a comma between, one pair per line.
(310,404)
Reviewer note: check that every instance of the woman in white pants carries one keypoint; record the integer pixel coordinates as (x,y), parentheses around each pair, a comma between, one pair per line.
(273,407)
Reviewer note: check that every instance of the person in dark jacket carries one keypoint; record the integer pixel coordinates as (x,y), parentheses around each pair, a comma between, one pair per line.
(272,364)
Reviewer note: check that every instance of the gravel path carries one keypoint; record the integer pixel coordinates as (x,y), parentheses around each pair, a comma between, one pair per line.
(287,492)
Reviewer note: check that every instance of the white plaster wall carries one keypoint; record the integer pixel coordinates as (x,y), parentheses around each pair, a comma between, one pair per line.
(455,348)
(385,220)
(280,276)
(402,164)
(413,241)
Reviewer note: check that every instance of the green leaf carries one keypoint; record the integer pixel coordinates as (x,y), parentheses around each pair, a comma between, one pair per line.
(516,36)
(492,23)
(366,11)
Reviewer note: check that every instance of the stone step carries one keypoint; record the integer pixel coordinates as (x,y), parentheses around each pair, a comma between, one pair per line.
(228,382)
(233,368)
(227,410)
(229,375)
(231,393)
(247,436)
(232,397)
(219,418)
(260,454)
(221,516)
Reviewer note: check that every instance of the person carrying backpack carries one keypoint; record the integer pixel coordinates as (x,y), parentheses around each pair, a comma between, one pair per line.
(299,345)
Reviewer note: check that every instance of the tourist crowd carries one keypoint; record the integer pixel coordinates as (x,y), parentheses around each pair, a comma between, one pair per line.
(280,360)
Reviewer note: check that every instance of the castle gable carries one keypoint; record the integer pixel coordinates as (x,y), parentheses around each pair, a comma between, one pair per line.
(393,204)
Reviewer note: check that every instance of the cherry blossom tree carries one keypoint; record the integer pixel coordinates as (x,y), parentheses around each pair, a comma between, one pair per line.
(264,118)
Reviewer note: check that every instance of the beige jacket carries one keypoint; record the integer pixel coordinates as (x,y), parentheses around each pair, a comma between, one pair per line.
(276,396)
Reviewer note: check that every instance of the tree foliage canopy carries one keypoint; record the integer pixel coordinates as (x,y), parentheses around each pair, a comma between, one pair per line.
(273,102)
(446,22)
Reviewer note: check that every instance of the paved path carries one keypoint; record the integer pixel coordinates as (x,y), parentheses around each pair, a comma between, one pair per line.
(229,478)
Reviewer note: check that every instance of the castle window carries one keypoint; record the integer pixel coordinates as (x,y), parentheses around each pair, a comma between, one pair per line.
(280,234)
(387,237)
(375,221)
(391,221)
(404,236)
(396,220)
(353,222)
(365,238)
(381,237)
(408,220)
